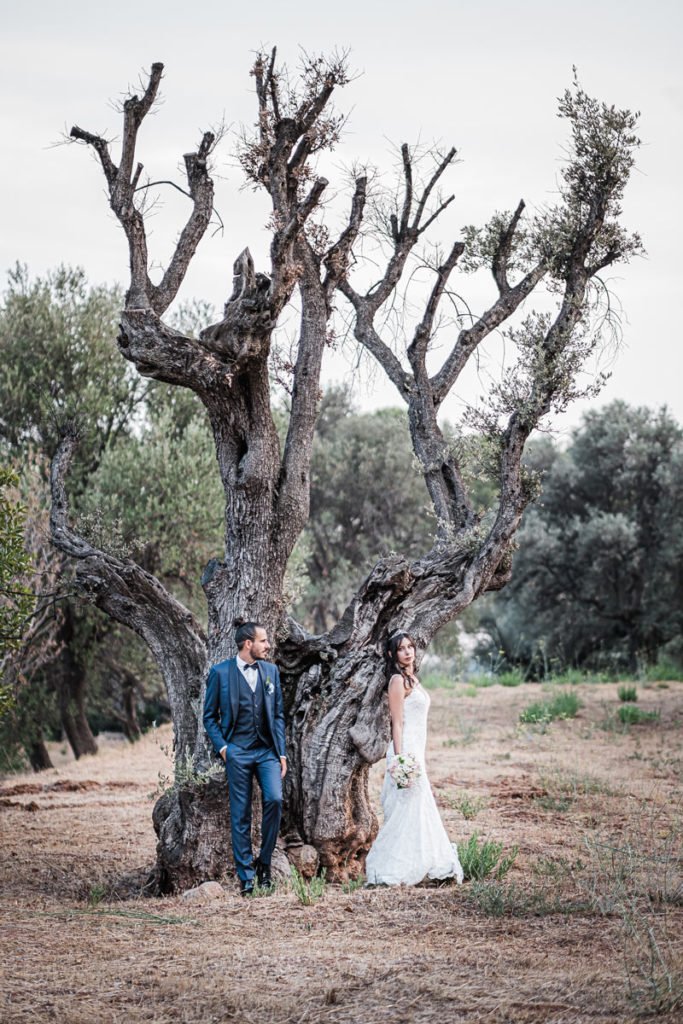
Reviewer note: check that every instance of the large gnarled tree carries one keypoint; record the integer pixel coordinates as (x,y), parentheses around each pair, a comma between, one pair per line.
(334,682)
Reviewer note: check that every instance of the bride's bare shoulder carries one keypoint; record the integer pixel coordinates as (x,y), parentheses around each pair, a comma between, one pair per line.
(396,683)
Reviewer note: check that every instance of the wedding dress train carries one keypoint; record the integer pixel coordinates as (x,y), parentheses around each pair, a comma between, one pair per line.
(412,843)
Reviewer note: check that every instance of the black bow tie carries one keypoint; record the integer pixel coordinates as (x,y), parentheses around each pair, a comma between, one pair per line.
(249,668)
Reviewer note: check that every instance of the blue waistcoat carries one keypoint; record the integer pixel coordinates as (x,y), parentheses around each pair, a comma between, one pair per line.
(251,728)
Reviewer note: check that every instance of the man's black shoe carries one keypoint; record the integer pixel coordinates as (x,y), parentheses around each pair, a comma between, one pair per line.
(246,886)
(263,875)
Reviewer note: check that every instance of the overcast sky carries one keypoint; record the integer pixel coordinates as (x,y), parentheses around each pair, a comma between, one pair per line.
(482,76)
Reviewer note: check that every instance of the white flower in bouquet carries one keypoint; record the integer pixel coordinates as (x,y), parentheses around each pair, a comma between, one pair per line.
(405,770)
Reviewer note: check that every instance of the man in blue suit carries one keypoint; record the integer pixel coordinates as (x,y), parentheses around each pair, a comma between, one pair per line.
(244,719)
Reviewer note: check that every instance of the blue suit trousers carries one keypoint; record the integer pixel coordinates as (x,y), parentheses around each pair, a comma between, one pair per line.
(241,768)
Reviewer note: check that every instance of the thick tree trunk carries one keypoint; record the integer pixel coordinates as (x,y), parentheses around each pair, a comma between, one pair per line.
(132,725)
(70,685)
(338,723)
(129,693)
(38,755)
(338,726)
(192,824)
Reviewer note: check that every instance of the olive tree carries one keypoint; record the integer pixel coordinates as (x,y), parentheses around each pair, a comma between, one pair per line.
(337,724)
(597,579)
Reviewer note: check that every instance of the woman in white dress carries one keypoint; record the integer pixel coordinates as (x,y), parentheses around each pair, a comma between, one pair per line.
(412,844)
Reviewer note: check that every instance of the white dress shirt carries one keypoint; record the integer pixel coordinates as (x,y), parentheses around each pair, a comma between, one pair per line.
(250,676)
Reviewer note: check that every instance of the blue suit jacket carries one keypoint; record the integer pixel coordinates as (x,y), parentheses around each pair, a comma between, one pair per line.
(221,704)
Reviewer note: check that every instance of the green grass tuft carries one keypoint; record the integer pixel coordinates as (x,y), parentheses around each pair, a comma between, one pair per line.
(507,899)
(629,714)
(514,678)
(469,806)
(353,884)
(480,861)
(627,693)
(308,893)
(564,705)
(664,671)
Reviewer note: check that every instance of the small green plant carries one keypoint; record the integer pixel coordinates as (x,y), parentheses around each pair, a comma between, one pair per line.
(469,806)
(542,712)
(308,893)
(97,893)
(483,681)
(513,678)
(186,776)
(569,677)
(556,868)
(563,788)
(627,694)
(480,861)
(629,714)
(262,890)
(575,784)
(353,884)
(664,671)
(507,899)
(575,677)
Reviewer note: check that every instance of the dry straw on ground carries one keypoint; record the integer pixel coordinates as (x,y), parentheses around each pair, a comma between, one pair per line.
(565,937)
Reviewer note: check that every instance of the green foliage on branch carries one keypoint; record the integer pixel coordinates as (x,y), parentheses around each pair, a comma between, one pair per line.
(16,598)
(60,364)
(156,496)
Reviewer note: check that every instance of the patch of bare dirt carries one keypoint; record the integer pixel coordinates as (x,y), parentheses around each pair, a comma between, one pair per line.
(546,944)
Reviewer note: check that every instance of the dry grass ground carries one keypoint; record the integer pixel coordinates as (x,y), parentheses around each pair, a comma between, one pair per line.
(566,937)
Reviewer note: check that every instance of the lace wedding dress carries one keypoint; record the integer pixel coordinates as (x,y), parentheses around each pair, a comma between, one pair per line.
(412,843)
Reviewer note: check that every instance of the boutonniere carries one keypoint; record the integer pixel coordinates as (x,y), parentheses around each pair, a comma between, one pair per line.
(270,689)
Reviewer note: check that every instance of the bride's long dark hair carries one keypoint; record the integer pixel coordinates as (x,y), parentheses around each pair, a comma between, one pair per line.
(392,666)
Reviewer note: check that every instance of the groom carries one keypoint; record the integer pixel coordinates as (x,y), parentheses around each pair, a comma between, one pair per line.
(244,719)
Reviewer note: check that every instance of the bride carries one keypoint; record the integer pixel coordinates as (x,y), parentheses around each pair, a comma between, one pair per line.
(412,843)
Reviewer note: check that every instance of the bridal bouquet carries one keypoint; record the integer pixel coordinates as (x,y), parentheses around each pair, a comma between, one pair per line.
(405,770)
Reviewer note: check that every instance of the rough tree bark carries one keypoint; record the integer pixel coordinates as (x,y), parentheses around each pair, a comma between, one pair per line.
(337,722)
(39,756)
(68,678)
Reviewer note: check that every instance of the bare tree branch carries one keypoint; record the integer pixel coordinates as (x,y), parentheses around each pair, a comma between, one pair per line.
(470,338)
(501,257)
(408,194)
(201,191)
(431,184)
(418,348)
(159,351)
(336,259)
(134,598)
(134,113)
(123,184)
(293,490)
(370,339)
(300,216)
(101,147)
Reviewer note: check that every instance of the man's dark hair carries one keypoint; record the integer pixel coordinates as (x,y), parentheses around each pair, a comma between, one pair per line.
(245,631)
